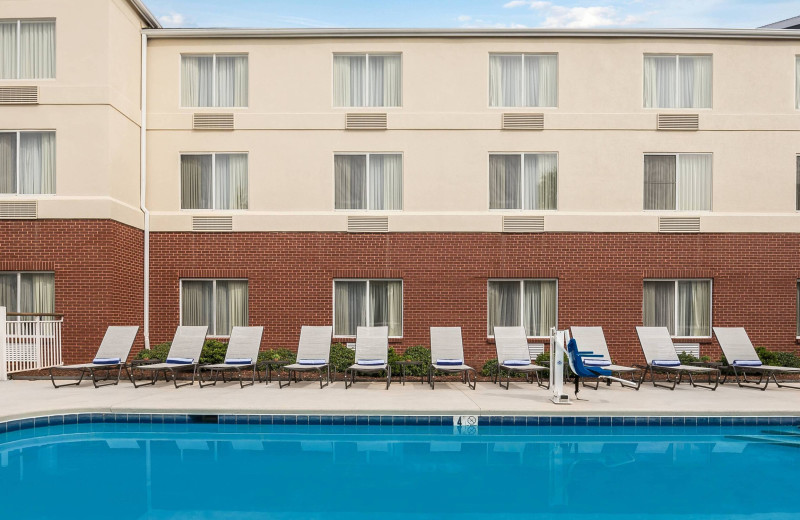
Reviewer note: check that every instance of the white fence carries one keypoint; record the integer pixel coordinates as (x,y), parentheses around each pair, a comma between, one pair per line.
(29,342)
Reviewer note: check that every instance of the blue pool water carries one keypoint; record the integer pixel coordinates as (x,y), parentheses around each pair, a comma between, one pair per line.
(278,471)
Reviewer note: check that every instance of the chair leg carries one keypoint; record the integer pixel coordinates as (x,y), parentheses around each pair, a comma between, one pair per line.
(388,376)
(52,379)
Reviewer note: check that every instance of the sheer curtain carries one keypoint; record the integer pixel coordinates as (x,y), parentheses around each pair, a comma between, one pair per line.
(539,307)
(231,306)
(350,172)
(541,181)
(659,305)
(231,81)
(385,81)
(349,80)
(350,310)
(8,291)
(197,303)
(659,181)
(695,81)
(694,308)
(196,182)
(385,181)
(230,181)
(8,162)
(37,50)
(386,305)
(197,81)
(694,181)
(504,305)
(541,80)
(37,165)
(659,81)
(8,50)
(37,292)
(505,81)
(504,182)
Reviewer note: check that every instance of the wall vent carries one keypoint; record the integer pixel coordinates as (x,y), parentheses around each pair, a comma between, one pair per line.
(523,224)
(368,224)
(678,122)
(523,121)
(19,95)
(679,224)
(534,349)
(19,209)
(212,121)
(362,121)
(212,223)
(689,348)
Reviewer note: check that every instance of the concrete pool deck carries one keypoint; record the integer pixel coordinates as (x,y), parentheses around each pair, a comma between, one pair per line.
(23,398)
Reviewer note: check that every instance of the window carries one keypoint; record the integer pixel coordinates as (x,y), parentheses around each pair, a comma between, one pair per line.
(797,183)
(523,80)
(28,292)
(219,304)
(214,80)
(368,181)
(214,181)
(367,80)
(677,182)
(797,82)
(27,162)
(523,181)
(797,306)
(676,81)
(682,306)
(370,303)
(530,303)
(27,49)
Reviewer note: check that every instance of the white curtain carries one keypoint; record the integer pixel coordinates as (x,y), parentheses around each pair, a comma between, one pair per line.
(539,307)
(659,182)
(350,172)
(505,81)
(37,164)
(231,81)
(8,291)
(385,181)
(385,80)
(230,190)
(231,306)
(541,181)
(349,80)
(659,81)
(8,162)
(659,305)
(350,310)
(505,179)
(694,308)
(504,305)
(541,80)
(694,181)
(8,50)
(197,81)
(197,303)
(196,182)
(386,305)
(695,81)
(37,293)
(37,53)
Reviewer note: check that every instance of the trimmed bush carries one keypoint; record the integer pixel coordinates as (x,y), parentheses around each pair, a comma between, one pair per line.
(213,352)
(277,354)
(416,353)
(341,357)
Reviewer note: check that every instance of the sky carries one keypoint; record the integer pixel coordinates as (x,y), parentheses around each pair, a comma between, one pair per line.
(472,13)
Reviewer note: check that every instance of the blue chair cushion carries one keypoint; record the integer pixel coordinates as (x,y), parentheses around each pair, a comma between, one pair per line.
(370,362)
(239,361)
(312,362)
(106,361)
(747,363)
(180,361)
(517,362)
(666,362)
(449,362)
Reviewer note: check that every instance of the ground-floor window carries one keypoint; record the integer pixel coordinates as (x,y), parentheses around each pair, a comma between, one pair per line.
(529,303)
(682,306)
(219,304)
(797,307)
(371,303)
(32,292)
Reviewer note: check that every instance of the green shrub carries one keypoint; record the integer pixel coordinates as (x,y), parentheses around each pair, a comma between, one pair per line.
(417,353)
(156,352)
(687,358)
(213,352)
(341,357)
(277,354)
(780,359)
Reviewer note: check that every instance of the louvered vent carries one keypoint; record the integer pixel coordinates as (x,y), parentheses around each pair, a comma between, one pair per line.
(212,121)
(535,349)
(679,224)
(678,121)
(523,121)
(19,95)
(523,224)
(368,224)
(688,348)
(212,223)
(19,209)
(362,121)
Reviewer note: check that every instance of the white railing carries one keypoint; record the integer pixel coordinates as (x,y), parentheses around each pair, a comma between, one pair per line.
(32,341)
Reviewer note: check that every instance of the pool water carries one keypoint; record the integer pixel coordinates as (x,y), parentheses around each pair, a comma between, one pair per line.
(216,471)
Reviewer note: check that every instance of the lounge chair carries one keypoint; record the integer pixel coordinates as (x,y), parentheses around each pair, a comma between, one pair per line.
(242,354)
(372,354)
(111,355)
(659,352)
(513,356)
(313,353)
(592,339)
(582,370)
(447,355)
(183,356)
(742,358)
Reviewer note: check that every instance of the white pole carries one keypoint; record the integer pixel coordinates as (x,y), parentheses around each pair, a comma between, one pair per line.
(557,350)
(143,194)
(3,367)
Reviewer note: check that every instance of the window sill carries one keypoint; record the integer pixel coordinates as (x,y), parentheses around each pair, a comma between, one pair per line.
(703,340)
(530,339)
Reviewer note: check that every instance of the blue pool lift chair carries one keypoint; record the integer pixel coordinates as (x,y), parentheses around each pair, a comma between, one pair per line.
(581,371)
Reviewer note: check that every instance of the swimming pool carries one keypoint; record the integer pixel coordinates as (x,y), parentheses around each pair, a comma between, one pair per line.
(258,467)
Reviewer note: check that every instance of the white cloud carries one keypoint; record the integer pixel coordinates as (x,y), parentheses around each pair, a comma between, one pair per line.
(533,4)
(576,17)
(464,18)
(173,20)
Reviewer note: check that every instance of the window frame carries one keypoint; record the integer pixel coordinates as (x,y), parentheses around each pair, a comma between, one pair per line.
(368,154)
(213,78)
(797,309)
(797,185)
(366,79)
(796,85)
(524,91)
(678,79)
(213,182)
(675,302)
(366,299)
(214,300)
(17,166)
(18,275)
(522,181)
(677,156)
(18,44)
(521,301)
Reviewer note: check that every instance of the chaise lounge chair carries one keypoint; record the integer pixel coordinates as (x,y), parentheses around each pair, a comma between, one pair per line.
(242,354)
(742,357)
(372,354)
(313,353)
(659,352)
(183,356)
(447,355)
(513,356)
(582,370)
(112,355)
(592,339)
